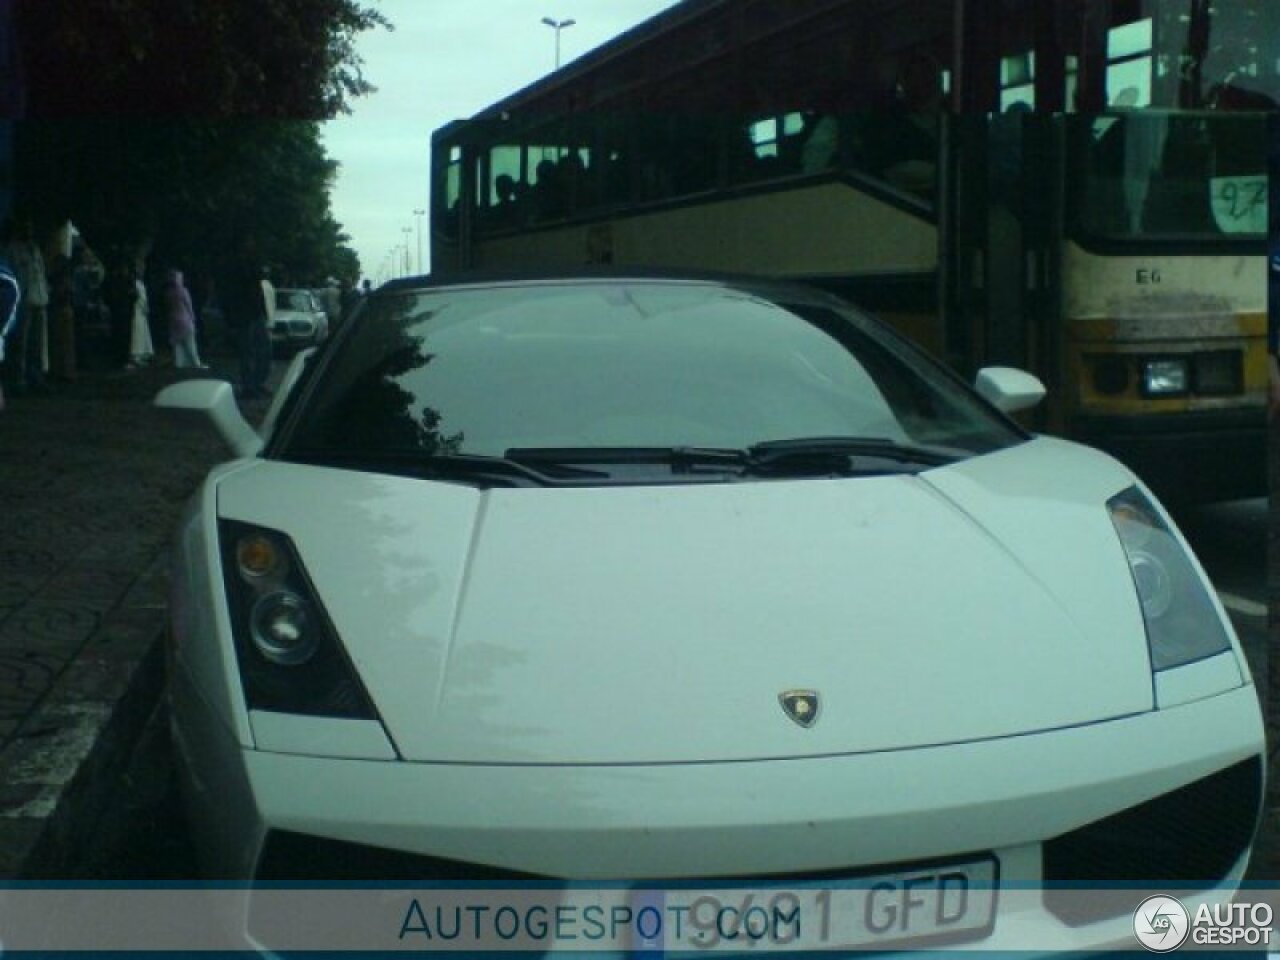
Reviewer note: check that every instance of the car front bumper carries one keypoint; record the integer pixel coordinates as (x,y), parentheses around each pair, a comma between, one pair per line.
(1191,775)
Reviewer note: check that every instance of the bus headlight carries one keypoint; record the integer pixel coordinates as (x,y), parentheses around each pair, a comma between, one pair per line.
(1165,377)
(1181,621)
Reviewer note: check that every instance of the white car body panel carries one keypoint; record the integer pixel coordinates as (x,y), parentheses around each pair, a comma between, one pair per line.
(550,625)
(769,817)
(584,682)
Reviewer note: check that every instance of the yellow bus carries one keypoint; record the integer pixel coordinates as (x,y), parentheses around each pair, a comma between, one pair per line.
(1076,187)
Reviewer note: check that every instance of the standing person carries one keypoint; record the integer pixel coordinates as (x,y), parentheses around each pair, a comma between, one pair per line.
(119,293)
(33,345)
(255,346)
(10,297)
(141,349)
(181,317)
(331,300)
(61,310)
(211,327)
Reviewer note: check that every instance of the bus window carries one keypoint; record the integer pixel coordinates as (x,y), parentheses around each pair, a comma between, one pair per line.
(450,192)
(1129,64)
(1153,174)
(1017,80)
(777,145)
(506,190)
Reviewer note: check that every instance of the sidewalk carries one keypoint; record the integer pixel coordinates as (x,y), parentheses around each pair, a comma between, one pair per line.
(92,480)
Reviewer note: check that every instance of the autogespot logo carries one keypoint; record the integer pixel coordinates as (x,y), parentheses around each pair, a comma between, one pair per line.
(1161,923)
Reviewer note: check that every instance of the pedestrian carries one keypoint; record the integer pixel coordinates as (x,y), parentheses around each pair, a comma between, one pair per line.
(331,301)
(141,349)
(10,298)
(213,333)
(119,292)
(181,317)
(61,318)
(259,302)
(33,337)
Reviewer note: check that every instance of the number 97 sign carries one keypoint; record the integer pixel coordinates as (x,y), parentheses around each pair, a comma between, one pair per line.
(1239,203)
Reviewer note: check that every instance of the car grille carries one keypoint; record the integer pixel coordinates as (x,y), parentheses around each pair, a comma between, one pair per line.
(299,858)
(1187,838)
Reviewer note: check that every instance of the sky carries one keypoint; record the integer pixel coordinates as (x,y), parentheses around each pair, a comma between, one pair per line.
(446,59)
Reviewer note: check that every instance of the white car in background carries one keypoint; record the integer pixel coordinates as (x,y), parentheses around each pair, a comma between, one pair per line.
(299,320)
(698,581)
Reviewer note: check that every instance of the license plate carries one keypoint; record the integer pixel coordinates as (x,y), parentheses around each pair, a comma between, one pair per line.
(924,906)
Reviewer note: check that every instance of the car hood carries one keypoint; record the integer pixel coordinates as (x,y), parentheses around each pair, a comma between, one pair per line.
(660,624)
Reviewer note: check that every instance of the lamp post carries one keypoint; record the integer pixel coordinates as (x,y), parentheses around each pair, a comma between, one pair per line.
(557,26)
(418,215)
(406,231)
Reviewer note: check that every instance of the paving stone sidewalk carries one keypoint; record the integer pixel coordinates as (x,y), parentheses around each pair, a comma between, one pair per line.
(92,480)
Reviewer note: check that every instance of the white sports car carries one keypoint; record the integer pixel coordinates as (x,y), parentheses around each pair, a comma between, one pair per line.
(698,580)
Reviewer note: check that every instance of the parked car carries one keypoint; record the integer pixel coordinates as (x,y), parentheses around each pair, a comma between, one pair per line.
(300,321)
(616,578)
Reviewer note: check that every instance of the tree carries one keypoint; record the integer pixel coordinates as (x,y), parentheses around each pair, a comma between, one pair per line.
(193,58)
(190,124)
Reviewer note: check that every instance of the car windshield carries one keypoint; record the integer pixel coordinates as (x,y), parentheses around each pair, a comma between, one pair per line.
(293,300)
(568,368)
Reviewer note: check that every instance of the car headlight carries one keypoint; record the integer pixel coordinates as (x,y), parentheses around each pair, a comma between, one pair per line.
(289,655)
(1181,621)
(283,629)
(1165,377)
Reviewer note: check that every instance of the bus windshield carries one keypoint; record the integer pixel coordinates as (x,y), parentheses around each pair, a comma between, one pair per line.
(1186,175)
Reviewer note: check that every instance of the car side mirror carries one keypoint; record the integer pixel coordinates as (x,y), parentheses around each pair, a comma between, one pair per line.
(217,401)
(1009,389)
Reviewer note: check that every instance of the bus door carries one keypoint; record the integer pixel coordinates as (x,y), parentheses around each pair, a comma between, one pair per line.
(1002,221)
(1003,200)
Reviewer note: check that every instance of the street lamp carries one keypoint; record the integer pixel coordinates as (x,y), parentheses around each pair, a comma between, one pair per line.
(418,215)
(406,231)
(557,26)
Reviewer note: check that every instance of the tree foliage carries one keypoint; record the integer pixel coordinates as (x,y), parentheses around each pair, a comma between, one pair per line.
(190,127)
(193,58)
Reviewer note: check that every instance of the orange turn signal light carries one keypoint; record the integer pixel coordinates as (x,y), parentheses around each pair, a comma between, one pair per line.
(258,557)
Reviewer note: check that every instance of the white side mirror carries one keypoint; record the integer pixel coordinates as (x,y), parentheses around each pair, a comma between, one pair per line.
(1009,389)
(217,401)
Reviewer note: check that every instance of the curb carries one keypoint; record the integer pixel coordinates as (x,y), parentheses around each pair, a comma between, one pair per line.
(55,777)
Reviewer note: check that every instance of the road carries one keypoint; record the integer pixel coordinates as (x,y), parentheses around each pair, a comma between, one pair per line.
(144,836)
(1231,541)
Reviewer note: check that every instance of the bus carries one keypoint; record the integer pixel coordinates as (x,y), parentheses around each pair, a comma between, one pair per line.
(1074,187)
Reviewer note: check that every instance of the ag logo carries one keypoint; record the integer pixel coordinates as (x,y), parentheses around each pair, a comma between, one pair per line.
(1161,924)
(800,705)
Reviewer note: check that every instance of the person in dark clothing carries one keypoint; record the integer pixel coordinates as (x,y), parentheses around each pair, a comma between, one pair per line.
(118,293)
(253,308)
(10,297)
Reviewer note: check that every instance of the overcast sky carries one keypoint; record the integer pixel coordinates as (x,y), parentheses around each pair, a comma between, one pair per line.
(446,59)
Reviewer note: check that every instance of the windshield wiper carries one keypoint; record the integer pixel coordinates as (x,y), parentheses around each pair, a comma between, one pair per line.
(778,452)
(680,459)
(842,456)
(469,466)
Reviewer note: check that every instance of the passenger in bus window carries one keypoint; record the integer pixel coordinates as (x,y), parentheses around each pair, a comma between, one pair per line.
(548,191)
(504,207)
(821,143)
(902,144)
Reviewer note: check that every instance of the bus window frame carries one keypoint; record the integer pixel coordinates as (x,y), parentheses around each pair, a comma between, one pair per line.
(1078,180)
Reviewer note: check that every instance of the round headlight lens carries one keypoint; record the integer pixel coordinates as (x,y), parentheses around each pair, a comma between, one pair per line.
(1155,586)
(281,627)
